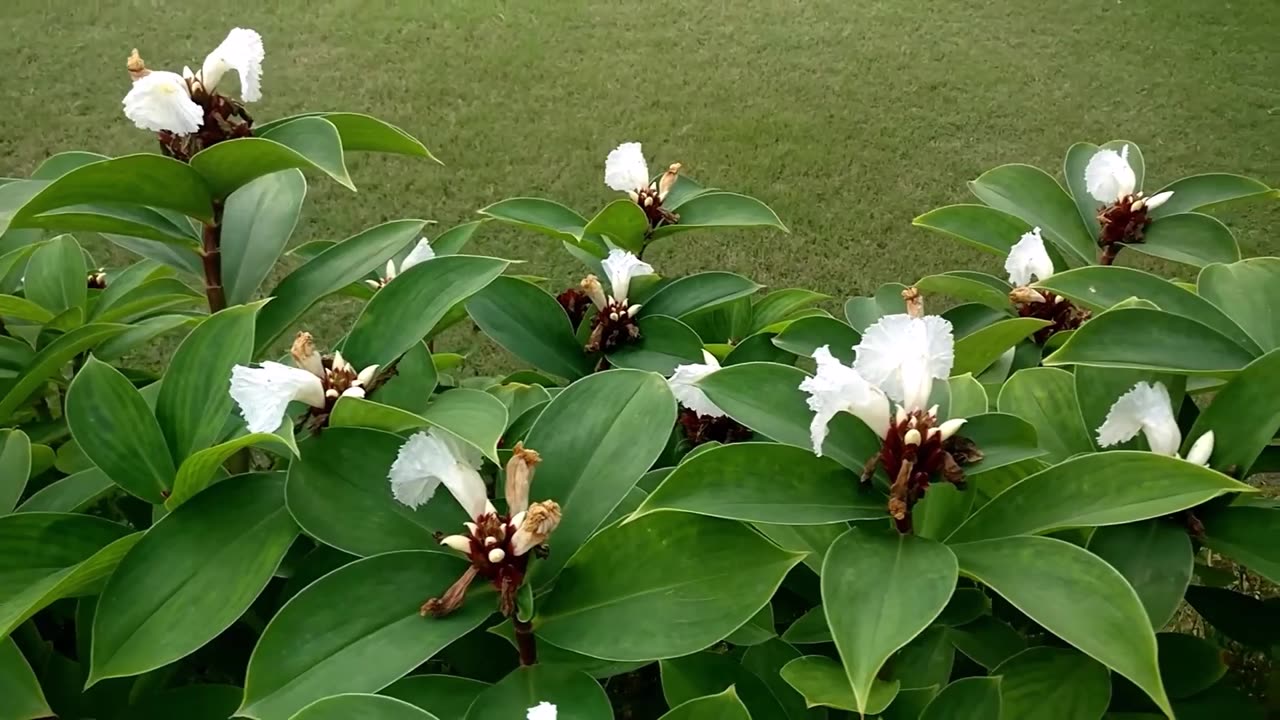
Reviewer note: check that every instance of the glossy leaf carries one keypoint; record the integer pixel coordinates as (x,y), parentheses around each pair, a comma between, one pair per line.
(695,293)
(1047,683)
(977,350)
(972,698)
(55,278)
(1155,557)
(861,312)
(1243,618)
(576,695)
(665,343)
(978,226)
(1035,197)
(1189,238)
(988,641)
(766,661)
(968,397)
(1247,535)
(527,321)
(360,706)
(805,335)
(1003,439)
(200,470)
(822,682)
(445,696)
(544,216)
(308,142)
(256,224)
(1245,291)
(70,494)
(783,306)
(1073,171)
(623,222)
(1046,398)
(23,698)
(361,132)
(724,706)
(1210,190)
(1244,416)
(50,359)
(1188,664)
(720,209)
(15,467)
(1146,339)
(970,287)
(709,673)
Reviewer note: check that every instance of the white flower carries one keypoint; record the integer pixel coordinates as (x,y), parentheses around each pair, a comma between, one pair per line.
(1159,199)
(241,52)
(902,355)
(160,101)
(264,393)
(836,388)
(1146,409)
(1108,177)
(620,267)
(625,169)
(684,386)
(420,253)
(542,711)
(430,458)
(1027,259)
(1201,450)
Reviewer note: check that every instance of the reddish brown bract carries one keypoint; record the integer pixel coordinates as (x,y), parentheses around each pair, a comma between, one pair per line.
(913,467)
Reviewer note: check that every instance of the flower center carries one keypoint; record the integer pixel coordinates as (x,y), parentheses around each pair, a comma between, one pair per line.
(1058,310)
(914,454)
(224,119)
(614,327)
(1124,221)
(650,201)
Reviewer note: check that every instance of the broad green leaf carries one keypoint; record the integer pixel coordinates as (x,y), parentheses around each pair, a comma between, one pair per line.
(360,706)
(445,696)
(978,226)
(862,312)
(160,247)
(417,375)
(1202,192)
(1244,416)
(766,661)
(190,702)
(15,467)
(55,278)
(191,576)
(309,142)
(970,287)
(256,224)
(194,399)
(475,416)
(720,209)
(596,438)
(597,611)
(358,412)
(972,698)
(23,698)
(968,398)
(1146,339)
(544,216)
(987,641)
(822,682)
(1003,439)
(1243,618)
(1188,664)
(1046,398)
(977,350)
(361,132)
(765,482)
(683,189)
(1246,290)
(1247,535)
(724,706)
(811,540)
(316,646)
(451,241)
(141,332)
(51,359)
(199,471)
(152,297)
(405,311)
(57,165)
(1155,557)
(339,266)
(758,348)
(760,628)
(34,572)
(113,425)
(73,493)
(549,654)
(805,335)
(965,606)
(526,320)
(1074,595)
(519,397)
(623,222)
(695,293)
(709,673)
(810,628)
(1108,488)
(339,493)
(665,343)
(1189,238)
(1035,197)
(942,510)
(910,704)
(1047,683)
(782,306)
(869,621)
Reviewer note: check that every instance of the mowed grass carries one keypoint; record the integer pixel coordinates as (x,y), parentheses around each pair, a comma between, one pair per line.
(848,118)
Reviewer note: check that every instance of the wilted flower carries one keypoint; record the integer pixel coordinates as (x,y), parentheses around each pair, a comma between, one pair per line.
(542,711)
(615,323)
(420,253)
(625,170)
(264,393)
(496,545)
(1146,408)
(1110,180)
(1029,259)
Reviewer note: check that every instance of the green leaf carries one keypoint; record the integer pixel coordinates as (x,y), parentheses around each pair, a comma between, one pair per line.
(199,471)
(1047,683)
(575,695)
(971,287)
(23,309)
(766,661)
(1034,196)
(1155,557)
(871,620)
(361,133)
(181,257)
(142,332)
(317,646)
(708,673)
(664,344)
(1189,238)
(822,682)
(256,225)
(972,698)
(351,706)
(191,702)
(55,278)
(810,628)
(51,359)
(596,438)
(1243,618)
(194,400)
(405,311)
(191,576)
(978,226)
(113,425)
(544,216)
(1046,398)
(529,322)
(59,164)
(1146,339)
(1074,595)
(986,641)
(758,348)
(1245,291)
(71,494)
(549,654)
(445,696)
(24,700)
(1247,535)
(1003,439)
(347,262)
(1244,416)
(1203,192)
(977,350)
(756,630)
(720,209)
(968,397)
(862,312)
(1108,488)
(694,293)
(474,416)
(805,335)
(594,610)
(623,222)
(1189,665)
(309,142)
(811,540)
(15,467)
(782,306)
(724,706)
(1073,169)
(765,482)
(451,241)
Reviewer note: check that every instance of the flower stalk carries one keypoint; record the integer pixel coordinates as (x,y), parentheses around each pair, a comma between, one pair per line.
(211,260)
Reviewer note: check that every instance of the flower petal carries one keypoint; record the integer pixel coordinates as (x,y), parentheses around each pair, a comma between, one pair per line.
(620,267)
(420,253)
(625,168)
(242,52)
(1158,199)
(264,393)
(1201,450)
(1145,408)
(902,355)
(1028,259)
(430,458)
(542,711)
(836,388)
(684,386)
(160,101)
(1108,176)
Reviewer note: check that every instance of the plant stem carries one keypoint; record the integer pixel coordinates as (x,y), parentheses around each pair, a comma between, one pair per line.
(1109,253)
(525,642)
(211,256)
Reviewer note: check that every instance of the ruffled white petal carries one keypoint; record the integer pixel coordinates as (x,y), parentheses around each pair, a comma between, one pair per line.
(1028,259)
(836,388)
(420,253)
(264,393)
(1146,408)
(242,52)
(1201,450)
(1108,176)
(160,101)
(542,711)
(428,459)
(684,386)
(620,267)
(1158,199)
(903,355)
(625,168)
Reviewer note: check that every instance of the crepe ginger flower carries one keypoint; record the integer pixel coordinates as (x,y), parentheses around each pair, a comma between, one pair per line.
(420,253)
(615,323)
(1029,260)
(625,170)
(186,110)
(496,545)
(684,386)
(542,711)
(1110,180)
(264,393)
(1146,408)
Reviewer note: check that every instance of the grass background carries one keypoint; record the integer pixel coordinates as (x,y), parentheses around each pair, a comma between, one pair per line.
(848,117)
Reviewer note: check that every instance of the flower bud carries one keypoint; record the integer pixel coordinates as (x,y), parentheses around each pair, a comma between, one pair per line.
(496,555)
(519,475)
(389,273)
(1158,199)
(1202,450)
(668,180)
(1025,295)
(1137,205)
(591,286)
(537,524)
(461,543)
(951,427)
(136,67)
(633,310)
(931,434)
(915,302)
(912,437)
(933,411)
(340,363)
(366,375)
(305,355)
(900,416)
(613,316)
(490,541)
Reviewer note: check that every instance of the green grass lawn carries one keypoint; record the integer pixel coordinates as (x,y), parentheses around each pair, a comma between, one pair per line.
(848,118)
